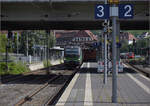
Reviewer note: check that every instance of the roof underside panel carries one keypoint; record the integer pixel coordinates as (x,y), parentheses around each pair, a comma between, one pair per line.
(65,14)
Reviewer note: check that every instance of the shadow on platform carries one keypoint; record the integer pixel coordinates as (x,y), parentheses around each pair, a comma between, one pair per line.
(32,79)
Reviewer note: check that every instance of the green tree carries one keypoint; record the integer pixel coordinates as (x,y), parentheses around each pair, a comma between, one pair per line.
(14,43)
(140,45)
(35,37)
(124,47)
(22,46)
(3,42)
(52,40)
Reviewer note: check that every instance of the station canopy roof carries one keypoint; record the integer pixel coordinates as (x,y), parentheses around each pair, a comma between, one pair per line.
(65,14)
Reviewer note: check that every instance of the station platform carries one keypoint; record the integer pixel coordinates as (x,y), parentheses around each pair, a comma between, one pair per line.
(87,89)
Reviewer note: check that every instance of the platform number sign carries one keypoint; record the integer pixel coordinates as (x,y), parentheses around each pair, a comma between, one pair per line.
(102,11)
(125,11)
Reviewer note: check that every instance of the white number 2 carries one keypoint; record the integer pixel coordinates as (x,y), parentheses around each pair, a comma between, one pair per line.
(101,10)
(128,7)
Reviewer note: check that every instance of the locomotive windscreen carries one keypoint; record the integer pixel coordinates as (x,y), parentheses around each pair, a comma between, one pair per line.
(72,51)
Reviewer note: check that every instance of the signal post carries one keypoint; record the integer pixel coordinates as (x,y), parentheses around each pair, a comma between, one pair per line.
(113,10)
(114,14)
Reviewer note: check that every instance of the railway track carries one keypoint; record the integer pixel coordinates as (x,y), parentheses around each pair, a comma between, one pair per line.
(60,90)
(36,88)
(144,72)
(36,96)
(29,97)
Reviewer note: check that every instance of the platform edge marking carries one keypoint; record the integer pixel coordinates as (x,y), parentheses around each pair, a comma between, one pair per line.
(144,77)
(67,92)
(88,91)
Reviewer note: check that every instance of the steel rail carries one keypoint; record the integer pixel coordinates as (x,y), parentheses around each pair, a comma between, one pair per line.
(55,96)
(51,100)
(29,97)
(147,74)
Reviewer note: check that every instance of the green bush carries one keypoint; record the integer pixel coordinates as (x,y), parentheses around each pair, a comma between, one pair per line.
(3,42)
(13,68)
(60,61)
(2,68)
(45,63)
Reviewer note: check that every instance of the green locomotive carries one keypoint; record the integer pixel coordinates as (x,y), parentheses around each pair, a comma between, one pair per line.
(73,56)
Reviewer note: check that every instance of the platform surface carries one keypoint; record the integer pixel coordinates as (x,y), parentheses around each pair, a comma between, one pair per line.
(87,89)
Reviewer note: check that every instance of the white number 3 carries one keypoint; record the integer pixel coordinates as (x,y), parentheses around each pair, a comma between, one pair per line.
(101,10)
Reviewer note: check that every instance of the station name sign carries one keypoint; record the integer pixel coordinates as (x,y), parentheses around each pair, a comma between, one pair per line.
(125,11)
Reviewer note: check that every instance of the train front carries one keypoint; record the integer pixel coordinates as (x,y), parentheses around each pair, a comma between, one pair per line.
(72,56)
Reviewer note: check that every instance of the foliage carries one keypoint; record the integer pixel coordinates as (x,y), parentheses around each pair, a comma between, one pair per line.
(13,68)
(15,41)
(124,47)
(140,45)
(3,42)
(136,48)
(45,63)
(27,35)
(137,32)
(60,61)
(52,40)
(37,37)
